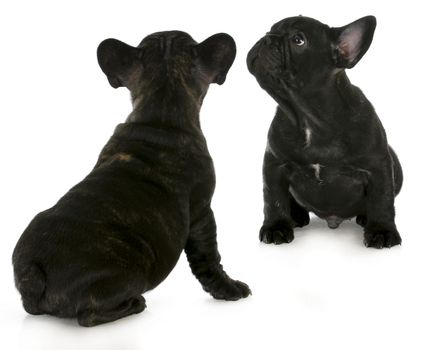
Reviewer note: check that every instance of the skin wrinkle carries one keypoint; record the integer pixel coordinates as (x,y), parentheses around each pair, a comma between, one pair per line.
(120,231)
(339,163)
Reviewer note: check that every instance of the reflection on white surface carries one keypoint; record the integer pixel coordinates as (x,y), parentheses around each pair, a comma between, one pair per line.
(50,333)
(324,291)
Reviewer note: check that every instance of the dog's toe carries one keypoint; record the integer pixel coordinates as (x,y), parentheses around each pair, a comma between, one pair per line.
(379,237)
(277,233)
(232,290)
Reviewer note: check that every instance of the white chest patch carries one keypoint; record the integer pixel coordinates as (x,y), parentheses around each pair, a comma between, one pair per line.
(307,137)
(317,169)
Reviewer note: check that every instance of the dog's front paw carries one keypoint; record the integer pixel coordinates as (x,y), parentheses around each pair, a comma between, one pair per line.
(277,233)
(381,237)
(231,290)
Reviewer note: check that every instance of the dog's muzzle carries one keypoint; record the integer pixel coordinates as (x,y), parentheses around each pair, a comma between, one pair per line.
(271,54)
(280,43)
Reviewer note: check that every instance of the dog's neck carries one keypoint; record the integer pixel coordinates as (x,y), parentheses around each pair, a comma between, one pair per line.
(331,96)
(333,100)
(168,108)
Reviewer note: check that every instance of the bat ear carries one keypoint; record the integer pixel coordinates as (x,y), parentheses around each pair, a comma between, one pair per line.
(352,41)
(120,62)
(216,55)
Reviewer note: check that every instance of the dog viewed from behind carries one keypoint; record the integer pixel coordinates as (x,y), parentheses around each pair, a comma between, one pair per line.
(327,151)
(121,230)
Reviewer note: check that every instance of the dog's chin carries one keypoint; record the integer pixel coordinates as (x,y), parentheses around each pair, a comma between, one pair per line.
(276,81)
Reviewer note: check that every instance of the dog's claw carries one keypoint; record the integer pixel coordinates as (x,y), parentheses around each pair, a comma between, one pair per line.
(381,238)
(277,233)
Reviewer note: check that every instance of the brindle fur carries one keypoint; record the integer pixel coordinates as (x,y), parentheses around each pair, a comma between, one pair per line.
(119,232)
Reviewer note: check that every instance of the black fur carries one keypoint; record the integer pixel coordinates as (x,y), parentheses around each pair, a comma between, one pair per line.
(120,231)
(327,151)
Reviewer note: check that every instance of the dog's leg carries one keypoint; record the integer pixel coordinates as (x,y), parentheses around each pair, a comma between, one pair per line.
(108,300)
(278,222)
(204,260)
(398,172)
(380,229)
(361,220)
(298,213)
(31,283)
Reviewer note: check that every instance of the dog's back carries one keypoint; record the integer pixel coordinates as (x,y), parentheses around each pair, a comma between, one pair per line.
(121,230)
(125,216)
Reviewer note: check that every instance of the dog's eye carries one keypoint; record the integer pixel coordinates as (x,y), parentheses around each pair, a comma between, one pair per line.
(298,39)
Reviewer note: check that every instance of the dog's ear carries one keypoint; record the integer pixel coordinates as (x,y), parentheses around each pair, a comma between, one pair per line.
(216,55)
(120,62)
(352,41)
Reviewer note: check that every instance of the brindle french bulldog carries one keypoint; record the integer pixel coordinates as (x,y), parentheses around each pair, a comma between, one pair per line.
(327,151)
(119,232)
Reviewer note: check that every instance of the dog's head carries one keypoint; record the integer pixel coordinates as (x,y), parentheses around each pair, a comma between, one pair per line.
(301,52)
(172,59)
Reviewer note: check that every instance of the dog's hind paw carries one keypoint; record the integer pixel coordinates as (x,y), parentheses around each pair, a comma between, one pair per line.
(92,317)
(300,215)
(277,233)
(361,220)
(379,237)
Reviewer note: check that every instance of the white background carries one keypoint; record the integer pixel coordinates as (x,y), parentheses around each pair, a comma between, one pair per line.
(325,290)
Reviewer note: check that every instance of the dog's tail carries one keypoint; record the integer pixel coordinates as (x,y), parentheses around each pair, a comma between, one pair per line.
(30,281)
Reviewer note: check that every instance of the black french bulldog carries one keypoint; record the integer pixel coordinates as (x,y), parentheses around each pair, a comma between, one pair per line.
(327,151)
(120,231)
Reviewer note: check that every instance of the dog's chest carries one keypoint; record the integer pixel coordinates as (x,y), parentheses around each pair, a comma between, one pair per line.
(322,175)
(322,166)
(316,146)
(321,150)
(321,153)
(318,152)
(322,145)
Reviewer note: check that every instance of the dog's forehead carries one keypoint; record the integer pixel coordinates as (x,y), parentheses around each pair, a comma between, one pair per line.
(301,23)
(168,36)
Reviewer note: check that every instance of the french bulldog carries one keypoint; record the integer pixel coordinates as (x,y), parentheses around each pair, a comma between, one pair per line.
(327,151)
(120,231)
